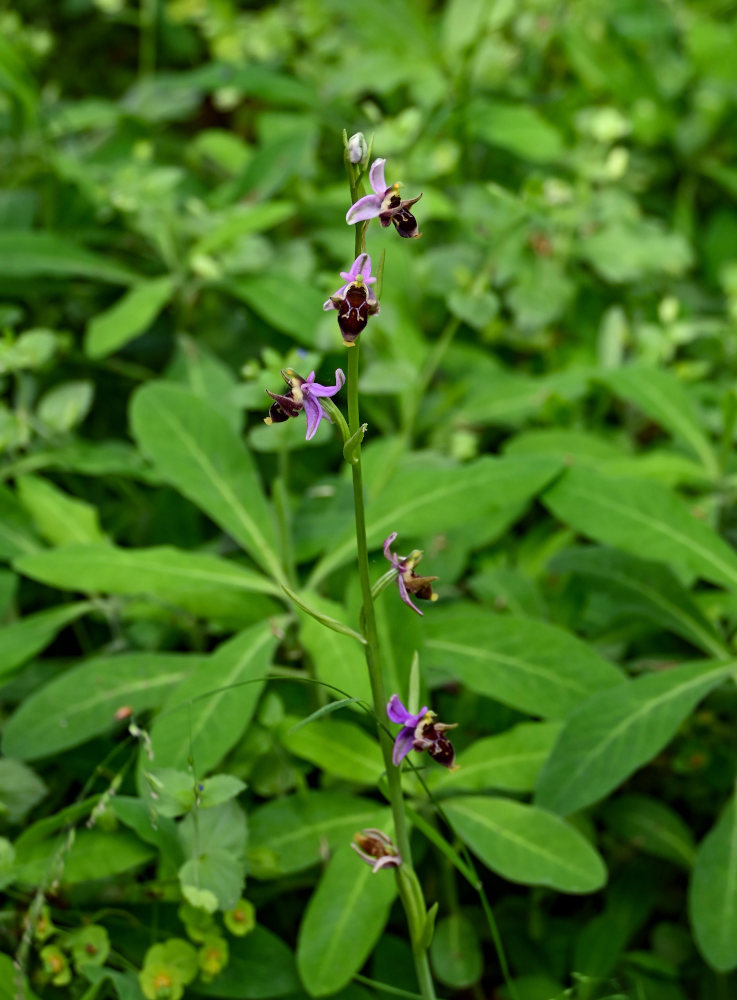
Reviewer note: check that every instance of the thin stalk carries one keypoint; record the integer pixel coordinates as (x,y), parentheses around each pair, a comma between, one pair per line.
(373,661)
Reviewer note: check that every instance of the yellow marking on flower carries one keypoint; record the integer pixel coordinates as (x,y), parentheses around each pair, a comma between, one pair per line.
(268,421)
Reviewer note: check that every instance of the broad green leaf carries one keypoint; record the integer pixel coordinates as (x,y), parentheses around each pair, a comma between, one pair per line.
(215,842)
(203,585)
(131,316)
(260,967)
(712,898)
(94,855)
(532,666)
(154,829)
(455,951)
(20,789)
(291,834)
(82,702)
(291,306)
(517,128)
(615,732)
(643,589)
(526,844)
(66,405)
(434,498)
(238,220)
(336,747)
(8,980)
(59,518)
(16,527)
(663,397)
(640,516)
(196,450)
(21,640)
(343,921)
(201,371)
(207,713)
(29,253)
(510,761)
(652,827)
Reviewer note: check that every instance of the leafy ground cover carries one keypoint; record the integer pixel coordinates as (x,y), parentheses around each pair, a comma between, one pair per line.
(187,749)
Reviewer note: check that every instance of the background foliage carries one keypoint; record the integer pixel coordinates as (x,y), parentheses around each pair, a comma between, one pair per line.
(556,355)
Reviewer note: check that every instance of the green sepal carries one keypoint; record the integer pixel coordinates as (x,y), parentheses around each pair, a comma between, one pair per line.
(352,447)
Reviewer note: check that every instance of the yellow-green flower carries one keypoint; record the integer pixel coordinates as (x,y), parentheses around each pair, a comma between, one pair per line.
(198,923)
(167,969)
(56,965)
(89,946)
(44,927)
(241,919)
(213,957)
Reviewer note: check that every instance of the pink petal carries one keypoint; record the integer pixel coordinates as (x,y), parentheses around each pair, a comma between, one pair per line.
(402,746)
(328,390)
(396,710)
(406,598)
(388,554)
(367,207)
(376,177)
(314,414)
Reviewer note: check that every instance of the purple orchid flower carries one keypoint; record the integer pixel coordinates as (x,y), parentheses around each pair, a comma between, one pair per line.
(355,300)
(420,732)
(406,736)
(385,204)
(304,394)
(407,581)
(376,849)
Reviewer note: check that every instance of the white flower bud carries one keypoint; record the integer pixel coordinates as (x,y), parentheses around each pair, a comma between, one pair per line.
(357,147)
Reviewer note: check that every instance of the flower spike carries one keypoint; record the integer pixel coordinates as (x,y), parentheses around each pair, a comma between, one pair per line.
(303,394)
(385,204)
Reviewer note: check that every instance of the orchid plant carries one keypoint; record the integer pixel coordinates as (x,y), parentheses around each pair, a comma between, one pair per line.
(356,302)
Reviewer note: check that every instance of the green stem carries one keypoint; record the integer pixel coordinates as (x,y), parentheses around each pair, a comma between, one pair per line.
(373,661)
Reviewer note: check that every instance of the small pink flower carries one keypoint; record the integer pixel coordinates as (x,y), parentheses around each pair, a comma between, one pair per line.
(304,394)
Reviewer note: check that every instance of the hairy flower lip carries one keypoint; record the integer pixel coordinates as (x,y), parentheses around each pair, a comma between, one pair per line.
(385,204)
(355,300)
(420,731)
(304,394)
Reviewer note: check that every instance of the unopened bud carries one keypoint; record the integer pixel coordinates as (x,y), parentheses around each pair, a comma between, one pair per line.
(357,147)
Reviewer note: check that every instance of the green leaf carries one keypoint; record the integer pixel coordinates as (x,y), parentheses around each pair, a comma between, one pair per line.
(662,396)
(339,748)
(66,405)
(532,666)
(196,450)
(343,921)
(509,761)
(712,898)
(652,827)
(203,585)
(526,844)
(238,220)
(8,979)
(615,732)
(643,589)
(291,306)
(28,253)
(59,518)
(215,841)
(20,789)
(291,834)
(455,952)
(260,967)
(131,316)
(94,855)
(640,516)
(338,660)
(327,621)
(81,703)
(154,829)
(21,640)
(207,713)
(518,128)
(425,497)
(16,527)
